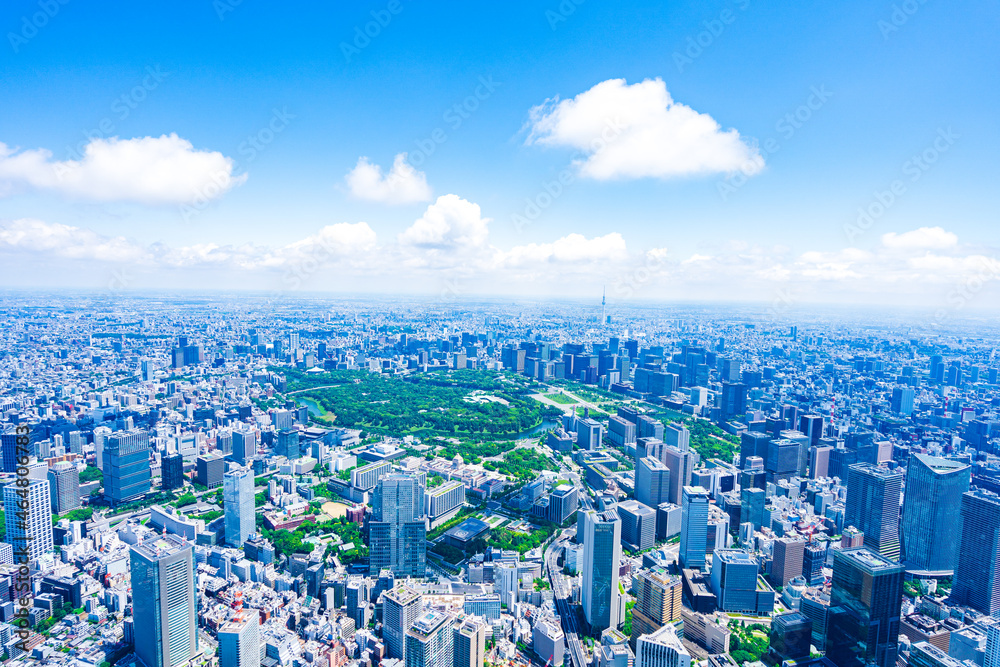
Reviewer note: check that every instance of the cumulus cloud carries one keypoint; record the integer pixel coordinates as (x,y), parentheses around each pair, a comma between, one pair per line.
(570,249)
(450,222)
(38,236)
(148,170)
(639,131)
(402,185)
(925,237)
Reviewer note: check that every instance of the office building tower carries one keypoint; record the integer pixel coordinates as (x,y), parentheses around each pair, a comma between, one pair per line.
(753,444)
(239,640)
(244,446)
(400,608)
(694,527)
(657,601)
(398,530)
(64,485)
(549,641)
(933,500)
(563,502)
(287,443)
(621,432)
(752,507)
(782,461)
(601,557)
(126,466)
(209,470)
(366,477)
(991,656)
(470,642)
(638,524)
(787,559)
(171,471)
(873,495)
(28,528)
(865,603)
(902,401)
(681,463)
(163,601)
(791,637)
(819,461)
(445,499)
(430,641)
(733,400)
(736,584)
(239,505)
(811,426)
(815,605)
(668,521)
(813,559)
(652,482)
(663,648)
(977,573)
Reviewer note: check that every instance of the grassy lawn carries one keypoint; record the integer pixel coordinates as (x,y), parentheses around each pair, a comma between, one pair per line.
(562,399)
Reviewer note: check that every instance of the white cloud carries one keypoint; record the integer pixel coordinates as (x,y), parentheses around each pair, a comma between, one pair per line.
(450,222)
(64,241)
(925,237)
(402,185)
(639,131)
(149,170)
(570,249)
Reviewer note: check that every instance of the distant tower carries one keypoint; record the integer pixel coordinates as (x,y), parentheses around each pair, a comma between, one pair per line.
(604,303)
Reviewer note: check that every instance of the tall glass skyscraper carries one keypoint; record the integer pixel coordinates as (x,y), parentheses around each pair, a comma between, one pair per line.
(602,552)
(872,506)
(163,601)
(238,504)
(931,507)
(126,466)
(398,533)
(977,574)
(865,602)
(694,527)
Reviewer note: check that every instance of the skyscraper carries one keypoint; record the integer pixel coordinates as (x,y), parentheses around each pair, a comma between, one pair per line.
(400,608)
(652,482)
(238,503)
(64,485)
(172,471)
(29,528)
(126,466)
(977,574)
(163,601)
(470,642)
(865,602)
(398,531)
(931,507)
(601,556)
(239,641)
(873,495)
(694,527)
(430,641)
(787,563)
(657,601)
(791,636)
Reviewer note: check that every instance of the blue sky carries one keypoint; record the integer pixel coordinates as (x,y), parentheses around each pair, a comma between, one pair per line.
(893,90)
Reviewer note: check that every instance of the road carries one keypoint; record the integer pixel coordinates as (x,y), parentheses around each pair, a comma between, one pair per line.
(561,593)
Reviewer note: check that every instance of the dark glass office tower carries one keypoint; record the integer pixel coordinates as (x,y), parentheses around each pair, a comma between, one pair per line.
(865,605)
(873,506)
(397,534)
(931,507)
(977,574)
(164,605)
(126,466)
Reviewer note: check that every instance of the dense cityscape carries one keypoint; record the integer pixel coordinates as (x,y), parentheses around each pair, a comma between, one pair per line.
(216,479)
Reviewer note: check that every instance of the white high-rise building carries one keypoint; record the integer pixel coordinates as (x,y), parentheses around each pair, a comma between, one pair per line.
(662,648)
(602,552)
(28,517)
(400,608)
